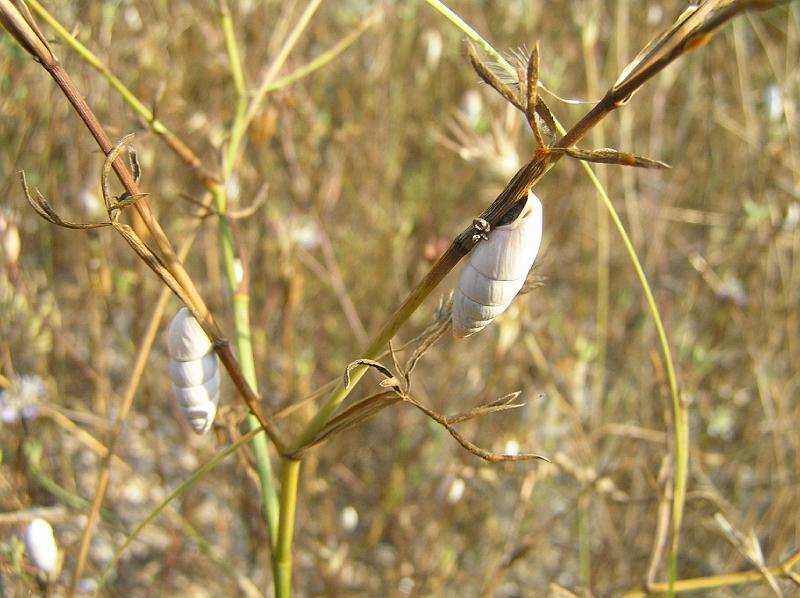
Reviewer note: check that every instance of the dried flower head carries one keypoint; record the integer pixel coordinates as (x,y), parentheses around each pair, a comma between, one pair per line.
(20,401)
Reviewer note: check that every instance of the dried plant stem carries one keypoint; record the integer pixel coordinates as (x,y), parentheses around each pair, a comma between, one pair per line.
(240,126)
(145,345)
(326,57)
(692,32)
(24,29)
(725,580)
(589,38)
(172,262)
(159,128)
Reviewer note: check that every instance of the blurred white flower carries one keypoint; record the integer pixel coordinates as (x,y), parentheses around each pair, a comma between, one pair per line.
(132,18)
(87,586)
(455,491)
(21,399)
(91,203)
(348,519)
(494,150)
(773,98)
(511,447)
(305,234)
(40,546)
(9,239)
(471,106)
(432,42)
(233,188)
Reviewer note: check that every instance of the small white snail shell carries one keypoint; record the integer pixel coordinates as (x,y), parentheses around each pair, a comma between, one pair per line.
(192,373)
(40,546)
(496,269)
(194,370)
(186,340)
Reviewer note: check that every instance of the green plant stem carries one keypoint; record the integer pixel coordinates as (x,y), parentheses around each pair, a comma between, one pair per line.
(286,47)
(269,495)
(471,33)
(240,294)
(325,58)
(244,349)
(679,409)
(290,475)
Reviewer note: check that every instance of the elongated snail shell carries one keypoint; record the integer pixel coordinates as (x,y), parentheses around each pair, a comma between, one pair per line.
(496,269)
(40,546)
(194,370)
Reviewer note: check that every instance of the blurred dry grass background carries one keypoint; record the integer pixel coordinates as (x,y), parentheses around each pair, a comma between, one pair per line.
(362,191)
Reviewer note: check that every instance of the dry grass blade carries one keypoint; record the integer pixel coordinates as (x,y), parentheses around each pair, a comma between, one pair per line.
(390,379)
(543,112)
(492,80)
(532,97)
(749,547)
(693,29)
(45,210)
(489,456)
(108,164)
(432,334)
(355,414)
(608,155)
(503,403)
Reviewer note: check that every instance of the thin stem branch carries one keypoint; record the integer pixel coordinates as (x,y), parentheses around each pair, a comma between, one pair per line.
(238,131)
(183,151)
(145,345)
(726,580)
(240,292)
(172,263)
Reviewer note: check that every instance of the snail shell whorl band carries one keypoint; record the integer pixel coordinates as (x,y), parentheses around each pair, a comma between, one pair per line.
(194,370)
(496,269)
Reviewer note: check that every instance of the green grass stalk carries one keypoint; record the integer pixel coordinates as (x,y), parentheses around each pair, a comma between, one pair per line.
(240,293)
(290,476)
(183,487)
(679,409)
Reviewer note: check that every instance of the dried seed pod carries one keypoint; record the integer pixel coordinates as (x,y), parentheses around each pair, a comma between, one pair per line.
(41,548)
(496,270)
(194,370)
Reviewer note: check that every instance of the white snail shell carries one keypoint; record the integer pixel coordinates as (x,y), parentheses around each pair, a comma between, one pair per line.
(186,340)
(496,269)
(194,370)
(40,546)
